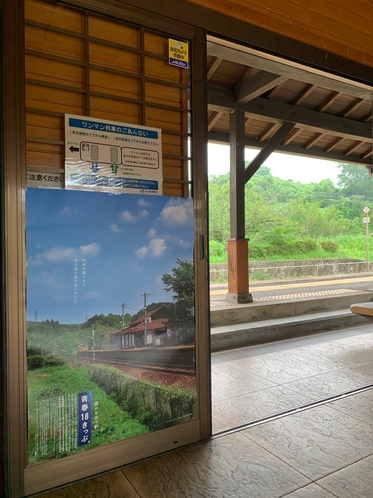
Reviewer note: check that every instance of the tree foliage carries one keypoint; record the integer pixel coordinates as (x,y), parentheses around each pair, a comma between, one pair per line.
(181,283)
(283,216)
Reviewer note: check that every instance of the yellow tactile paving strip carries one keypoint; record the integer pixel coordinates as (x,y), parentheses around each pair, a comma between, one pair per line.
(303,284)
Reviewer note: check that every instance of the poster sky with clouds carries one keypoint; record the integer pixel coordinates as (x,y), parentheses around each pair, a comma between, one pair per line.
(89,252)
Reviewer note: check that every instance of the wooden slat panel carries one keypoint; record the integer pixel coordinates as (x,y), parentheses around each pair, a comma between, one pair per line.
(156,44)
(53,71)
(54,99)
(162,118)
(44,126)
(172,173)
(115,84)
(172,190)
(115,110)
(172,144)
(54,15)
(165,94)
(162,70)
(45,155)
(114,32)
(113,57)
(57,44)
(105,62)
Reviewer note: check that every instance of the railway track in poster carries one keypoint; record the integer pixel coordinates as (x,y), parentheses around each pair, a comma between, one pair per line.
(173,360)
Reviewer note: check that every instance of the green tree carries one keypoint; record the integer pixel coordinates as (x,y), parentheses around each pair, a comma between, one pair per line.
(181,282)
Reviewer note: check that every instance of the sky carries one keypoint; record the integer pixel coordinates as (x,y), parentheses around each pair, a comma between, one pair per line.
(285,166)
(123,243)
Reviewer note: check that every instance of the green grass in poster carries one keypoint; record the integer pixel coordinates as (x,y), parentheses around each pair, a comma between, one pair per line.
(54,436)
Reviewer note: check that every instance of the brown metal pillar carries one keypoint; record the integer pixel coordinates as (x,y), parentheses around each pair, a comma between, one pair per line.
(238,261)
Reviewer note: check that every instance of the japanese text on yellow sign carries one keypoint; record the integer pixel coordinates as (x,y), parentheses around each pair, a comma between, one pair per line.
(178,53)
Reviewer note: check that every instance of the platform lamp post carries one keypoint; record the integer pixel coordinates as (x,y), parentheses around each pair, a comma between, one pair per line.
(366,221)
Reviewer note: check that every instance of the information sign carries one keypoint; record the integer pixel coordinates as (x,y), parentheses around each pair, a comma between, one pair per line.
(110,156)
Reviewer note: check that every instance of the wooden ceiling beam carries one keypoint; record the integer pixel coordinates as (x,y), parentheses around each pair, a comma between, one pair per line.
(221,99)
(267,150)
(314,140)
(329,101)
(296,149)
(352,149)
(258,84)
(213,66)
(304,94)
(213,120)
(351,108)
(367,154)
(292,71)
(333,145)
(290,137)
(268,131)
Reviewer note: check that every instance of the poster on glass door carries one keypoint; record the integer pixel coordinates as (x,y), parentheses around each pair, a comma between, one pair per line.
(110,318)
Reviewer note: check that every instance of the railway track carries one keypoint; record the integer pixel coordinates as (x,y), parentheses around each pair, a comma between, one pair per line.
(174,369)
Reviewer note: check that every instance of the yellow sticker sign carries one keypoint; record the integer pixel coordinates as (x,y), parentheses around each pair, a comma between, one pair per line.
(178,53)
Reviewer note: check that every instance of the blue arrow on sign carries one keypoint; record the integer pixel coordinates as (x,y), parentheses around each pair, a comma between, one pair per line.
(95,167)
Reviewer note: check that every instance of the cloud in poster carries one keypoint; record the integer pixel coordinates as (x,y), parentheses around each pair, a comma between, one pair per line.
(143,203)
(130,217)
(177,212)
(65,211)
(155,249)
(62,254)
(94,295)
(114,227)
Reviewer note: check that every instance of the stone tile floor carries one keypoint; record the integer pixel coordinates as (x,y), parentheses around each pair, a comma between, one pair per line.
(323,451)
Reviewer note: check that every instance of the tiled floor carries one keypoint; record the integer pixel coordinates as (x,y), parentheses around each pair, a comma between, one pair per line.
(322,452)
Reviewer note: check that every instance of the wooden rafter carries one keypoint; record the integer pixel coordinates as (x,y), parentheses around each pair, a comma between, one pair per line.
(314,140)
(268,131)
(213,66)
(290,136)
(213,120)
(304,94)
(351,108)
(334,144)
(258,84)
(352,149)
(329,101)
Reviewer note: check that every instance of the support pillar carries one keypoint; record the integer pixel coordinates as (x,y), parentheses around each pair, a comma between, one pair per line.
(238,272)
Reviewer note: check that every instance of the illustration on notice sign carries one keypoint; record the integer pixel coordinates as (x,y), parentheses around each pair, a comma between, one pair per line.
(111,156)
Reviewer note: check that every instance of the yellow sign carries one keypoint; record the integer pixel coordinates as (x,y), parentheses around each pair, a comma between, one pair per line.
(178,53)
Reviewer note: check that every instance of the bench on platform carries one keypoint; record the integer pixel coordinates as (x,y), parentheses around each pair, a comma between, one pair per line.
(363,309)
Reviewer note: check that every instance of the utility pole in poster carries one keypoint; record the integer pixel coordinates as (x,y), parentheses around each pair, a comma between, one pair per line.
(366,220)
(145,318)
(122,306)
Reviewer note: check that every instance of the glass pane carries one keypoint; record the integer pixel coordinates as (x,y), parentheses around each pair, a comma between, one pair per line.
(110,309)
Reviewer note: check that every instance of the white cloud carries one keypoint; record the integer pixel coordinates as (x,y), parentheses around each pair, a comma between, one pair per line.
(151,233)
(143,203)
(50,282)
(177,212)
(182,243)
(94,295)
(129,217)
(65,211)
(155,249)
(115,228)
(141,253)
(61,254)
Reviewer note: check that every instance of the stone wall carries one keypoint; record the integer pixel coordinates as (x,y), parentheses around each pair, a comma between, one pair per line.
(267,270)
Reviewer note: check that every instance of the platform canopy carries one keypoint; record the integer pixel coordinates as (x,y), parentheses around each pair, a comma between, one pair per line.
(288,108)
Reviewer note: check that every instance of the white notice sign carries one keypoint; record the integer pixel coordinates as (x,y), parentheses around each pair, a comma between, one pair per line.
(110,156)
